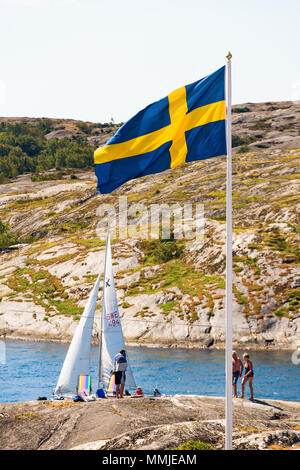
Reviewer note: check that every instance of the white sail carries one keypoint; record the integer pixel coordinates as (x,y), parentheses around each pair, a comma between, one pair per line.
(77,361)
(112,336)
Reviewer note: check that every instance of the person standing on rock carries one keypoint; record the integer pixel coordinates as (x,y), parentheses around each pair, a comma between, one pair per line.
(249,374)
(237,370)
(120,367)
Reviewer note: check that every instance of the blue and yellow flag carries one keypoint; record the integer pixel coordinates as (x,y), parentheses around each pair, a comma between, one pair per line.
(187,125)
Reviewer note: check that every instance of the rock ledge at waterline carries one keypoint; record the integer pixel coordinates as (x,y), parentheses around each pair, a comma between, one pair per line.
(174,333)
(148,423)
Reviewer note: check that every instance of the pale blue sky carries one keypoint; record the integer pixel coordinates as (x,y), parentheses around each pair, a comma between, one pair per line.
(96,59)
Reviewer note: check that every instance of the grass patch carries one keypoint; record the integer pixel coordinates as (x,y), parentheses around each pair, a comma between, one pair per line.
(253,246)
(279,242)
(293,297)
(71,227)
(286,201)
(246,260)
(238,269)
(45,289)
(50,261)
(126,305)
(219,194)
(59,404)
(89,243)
(30,203)
(219,218)
(281,312)
(40,247)
(194,445)
(48,176)
(168,306)
(241,299)
(247,428)
(25,416)
(176,273)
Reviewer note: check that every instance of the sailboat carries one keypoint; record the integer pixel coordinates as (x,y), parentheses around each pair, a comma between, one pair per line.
(77,361)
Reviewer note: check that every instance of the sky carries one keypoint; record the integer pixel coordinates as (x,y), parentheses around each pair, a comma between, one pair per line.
(95,60)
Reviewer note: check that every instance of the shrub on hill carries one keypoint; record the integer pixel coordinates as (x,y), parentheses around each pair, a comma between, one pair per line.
(7,238)
(236,140)
(161,251)
(24,149)
(194,445)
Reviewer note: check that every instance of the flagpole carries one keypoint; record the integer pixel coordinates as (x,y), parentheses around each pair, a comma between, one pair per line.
(228,353)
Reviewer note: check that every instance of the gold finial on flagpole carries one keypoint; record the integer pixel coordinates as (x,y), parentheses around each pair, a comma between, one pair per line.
(229,55)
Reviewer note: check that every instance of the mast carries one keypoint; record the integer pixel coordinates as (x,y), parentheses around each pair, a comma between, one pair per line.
(102,313)
(100,348)
(112,339)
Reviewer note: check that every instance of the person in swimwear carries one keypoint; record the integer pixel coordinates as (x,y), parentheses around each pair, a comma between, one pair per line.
(237,370)
(249,374)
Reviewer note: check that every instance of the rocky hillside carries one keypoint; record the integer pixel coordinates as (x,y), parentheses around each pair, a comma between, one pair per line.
(170,293)
(95,133)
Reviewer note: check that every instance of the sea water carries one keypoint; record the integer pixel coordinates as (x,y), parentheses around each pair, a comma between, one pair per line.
(31,369)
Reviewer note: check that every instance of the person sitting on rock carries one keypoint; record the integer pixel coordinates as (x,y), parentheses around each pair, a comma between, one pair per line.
(156,392)
(138,393)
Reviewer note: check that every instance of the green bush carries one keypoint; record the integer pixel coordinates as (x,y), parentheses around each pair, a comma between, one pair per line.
(7,239)
(48,176)
(237,140)
(3,179)
(161,251)
(45,125)
(194,445)
(261,124)
(84,127)
(241,110)
(244,149)
(2,227)
(263,146)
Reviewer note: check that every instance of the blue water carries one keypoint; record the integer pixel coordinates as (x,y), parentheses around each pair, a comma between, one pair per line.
(31,369)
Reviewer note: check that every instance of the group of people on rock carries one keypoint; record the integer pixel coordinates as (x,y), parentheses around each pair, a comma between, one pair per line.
(120,367)
(237,371)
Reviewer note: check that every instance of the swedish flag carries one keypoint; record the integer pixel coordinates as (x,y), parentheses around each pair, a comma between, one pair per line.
(187,125)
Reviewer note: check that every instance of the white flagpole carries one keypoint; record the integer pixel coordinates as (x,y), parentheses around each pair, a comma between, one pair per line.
(228,357)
